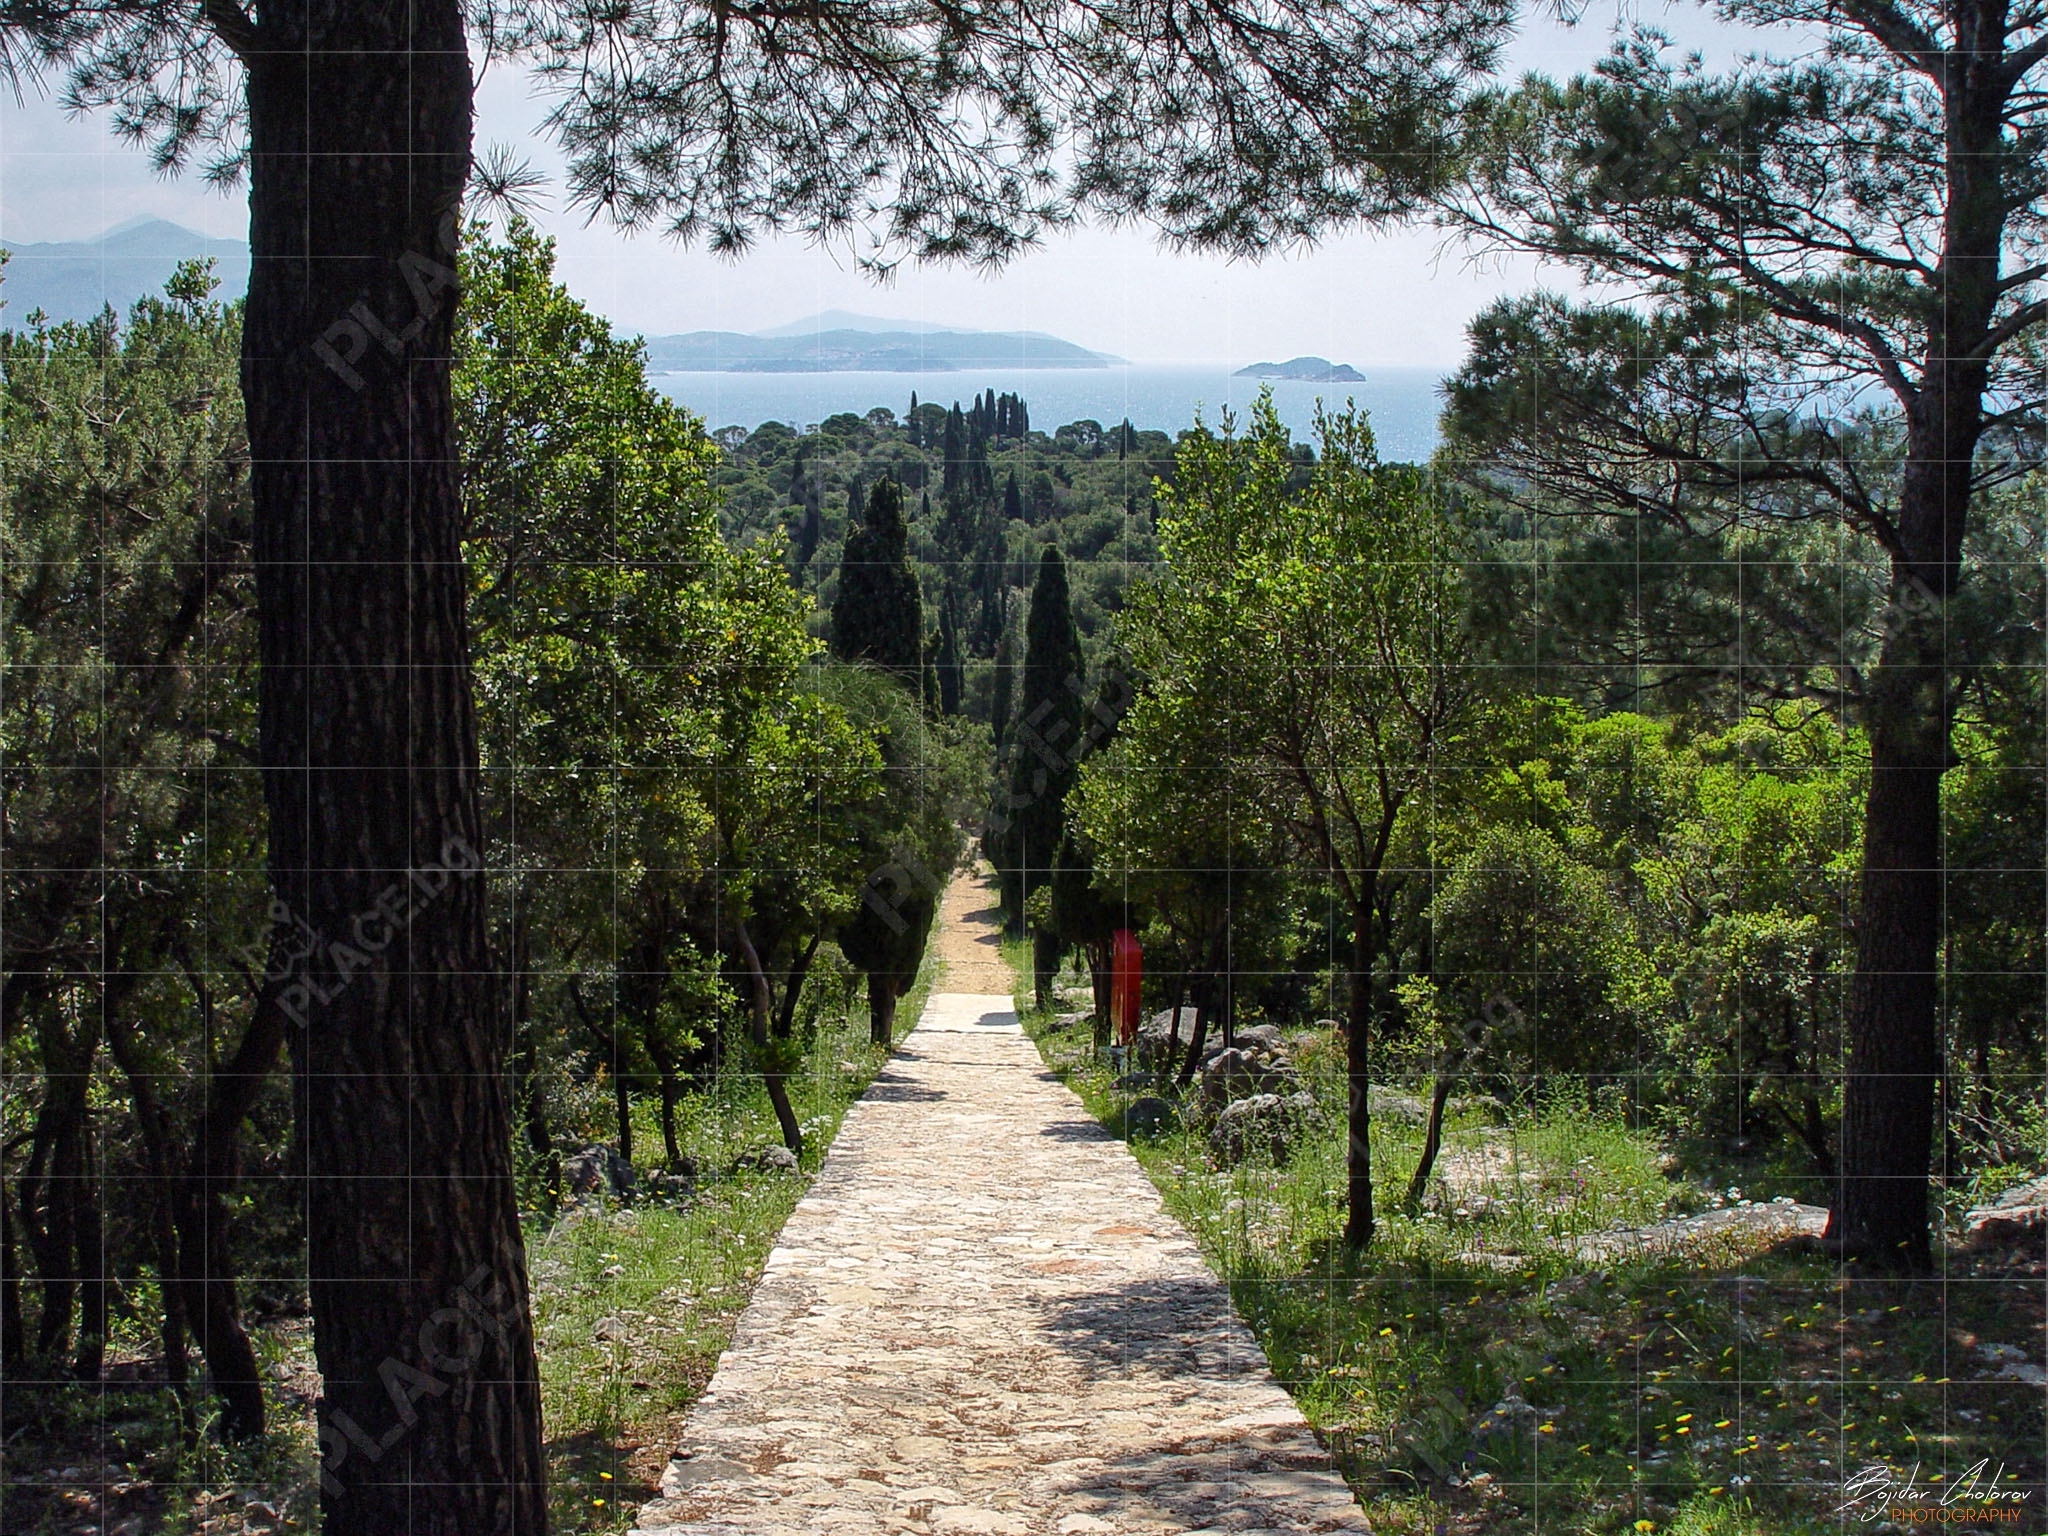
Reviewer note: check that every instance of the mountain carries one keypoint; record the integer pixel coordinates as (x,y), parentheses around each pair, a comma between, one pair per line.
(838,342)
(1307,370)
(75,279)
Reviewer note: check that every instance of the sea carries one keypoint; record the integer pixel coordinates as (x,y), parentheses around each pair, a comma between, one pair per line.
(1402,403)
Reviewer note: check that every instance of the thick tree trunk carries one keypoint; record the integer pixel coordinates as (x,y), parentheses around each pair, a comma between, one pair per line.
(1358,1217)
(359,135)
(1880,1211)
(1045,966)
(881,1008)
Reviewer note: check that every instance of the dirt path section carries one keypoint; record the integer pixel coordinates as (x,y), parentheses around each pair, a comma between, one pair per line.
(968,937)
(982,1320)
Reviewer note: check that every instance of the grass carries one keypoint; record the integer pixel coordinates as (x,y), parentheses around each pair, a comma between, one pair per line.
(1472,1373)
(632,1306)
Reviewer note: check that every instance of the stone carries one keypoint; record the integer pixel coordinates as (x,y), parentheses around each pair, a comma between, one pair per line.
(1136,1082)
(1162,1038)
(1264,1123)
(1241,1072)
(1147,1117)
(1260,1037)
(594,1169)
(1387,1104)
(1029,1341)
(768,1160)
(2016,1219)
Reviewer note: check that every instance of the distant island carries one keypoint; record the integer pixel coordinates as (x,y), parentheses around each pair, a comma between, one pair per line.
(1306,370)
(837,342)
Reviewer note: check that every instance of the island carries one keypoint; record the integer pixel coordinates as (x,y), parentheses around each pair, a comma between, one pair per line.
(1305,370)
(837,342)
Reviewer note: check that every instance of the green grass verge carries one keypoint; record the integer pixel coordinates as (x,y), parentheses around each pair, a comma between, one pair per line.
(1473,1375)
(633,1304)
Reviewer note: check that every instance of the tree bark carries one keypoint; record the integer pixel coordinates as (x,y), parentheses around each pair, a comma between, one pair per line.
(881,1008)
(1880,1212)
(154,1127)
(771,1076)
(359,139)
(1358,1216)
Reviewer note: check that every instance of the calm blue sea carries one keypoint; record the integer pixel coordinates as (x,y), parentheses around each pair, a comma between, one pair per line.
(1403,402)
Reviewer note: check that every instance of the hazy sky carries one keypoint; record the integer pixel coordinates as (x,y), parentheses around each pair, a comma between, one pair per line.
(1398,297)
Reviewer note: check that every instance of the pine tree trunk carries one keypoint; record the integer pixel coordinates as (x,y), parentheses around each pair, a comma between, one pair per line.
(359,134)
(1880,1211)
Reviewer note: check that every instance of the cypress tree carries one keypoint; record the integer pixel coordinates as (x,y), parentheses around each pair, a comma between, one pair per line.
(981,479)
(1051,718)
(1005,691)
(1013,500)
(949,666)
(878,615)
(953,451)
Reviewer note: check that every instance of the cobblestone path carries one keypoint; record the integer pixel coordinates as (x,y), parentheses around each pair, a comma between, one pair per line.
(982,1320)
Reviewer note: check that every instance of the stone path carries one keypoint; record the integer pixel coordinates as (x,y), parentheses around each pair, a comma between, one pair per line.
(982,1320)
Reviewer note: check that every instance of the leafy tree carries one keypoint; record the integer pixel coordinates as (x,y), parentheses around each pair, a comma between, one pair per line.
(948,140)
(878,615)
(129,834)
(1840,314)
(1259,591)
(908,834)
(595,559)
(1174,831)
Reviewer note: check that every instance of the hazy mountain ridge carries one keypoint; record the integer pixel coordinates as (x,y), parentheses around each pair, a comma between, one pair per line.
(76,279)
(800,349)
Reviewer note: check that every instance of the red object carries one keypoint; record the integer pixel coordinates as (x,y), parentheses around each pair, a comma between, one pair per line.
(1126,972)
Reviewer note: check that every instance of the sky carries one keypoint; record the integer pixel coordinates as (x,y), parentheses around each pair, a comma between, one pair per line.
(1394,298)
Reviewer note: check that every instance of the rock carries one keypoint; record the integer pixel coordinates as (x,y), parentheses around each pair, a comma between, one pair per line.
(1071,1020)
(1162,1035)
(2016,1219)
(1260,1037)
(768,1160)
(1147,1117)
(1387,1104)
(1263,1123)
(609,1330)
(593,1169)
(1239,1073)
(1136,1082)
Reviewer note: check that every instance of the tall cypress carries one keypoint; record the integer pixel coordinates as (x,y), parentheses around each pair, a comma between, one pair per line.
(948,662)
(1051,718)
(878,615)
(953,451)
(1013,500)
